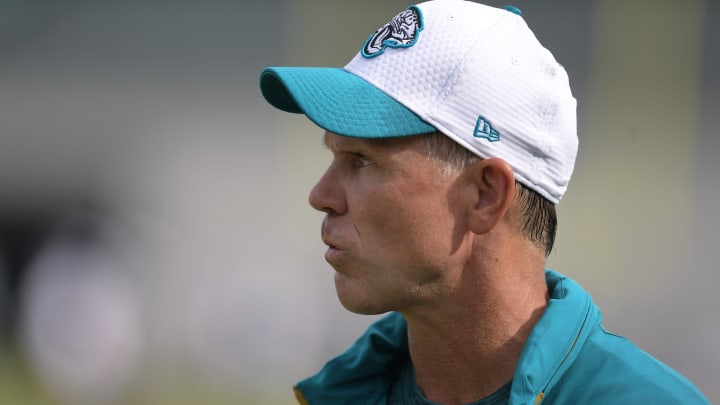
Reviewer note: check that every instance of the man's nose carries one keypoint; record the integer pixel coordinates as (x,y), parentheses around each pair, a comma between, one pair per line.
(328,195)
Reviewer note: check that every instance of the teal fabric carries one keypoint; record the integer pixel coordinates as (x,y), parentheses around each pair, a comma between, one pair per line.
(568,358)
(340,102)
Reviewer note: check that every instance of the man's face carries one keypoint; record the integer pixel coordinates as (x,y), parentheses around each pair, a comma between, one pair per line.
(393,223)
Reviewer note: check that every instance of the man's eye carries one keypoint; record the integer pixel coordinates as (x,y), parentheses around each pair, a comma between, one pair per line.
(362,160)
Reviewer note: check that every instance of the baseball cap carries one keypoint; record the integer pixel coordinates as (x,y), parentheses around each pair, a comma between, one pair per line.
(476,73)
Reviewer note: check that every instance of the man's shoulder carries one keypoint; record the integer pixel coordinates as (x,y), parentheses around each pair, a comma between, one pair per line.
(611,369)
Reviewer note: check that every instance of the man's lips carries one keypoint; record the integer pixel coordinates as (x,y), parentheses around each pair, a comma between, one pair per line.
(336,248)
(328,242)
(335,251)
(327,236)
(332,245)
(334,255)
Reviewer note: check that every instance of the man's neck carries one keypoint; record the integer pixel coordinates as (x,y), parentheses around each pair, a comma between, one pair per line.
(468,347)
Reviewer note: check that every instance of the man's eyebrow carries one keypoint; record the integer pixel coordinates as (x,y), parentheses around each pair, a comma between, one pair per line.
(330,142)
(338,143)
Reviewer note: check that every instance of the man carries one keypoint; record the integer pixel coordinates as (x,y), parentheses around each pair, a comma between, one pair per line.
(453,136)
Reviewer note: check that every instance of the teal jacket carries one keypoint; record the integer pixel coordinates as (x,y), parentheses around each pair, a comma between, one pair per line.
(569,358)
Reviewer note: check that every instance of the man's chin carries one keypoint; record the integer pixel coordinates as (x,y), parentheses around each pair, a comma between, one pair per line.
(354,299)
(363,309)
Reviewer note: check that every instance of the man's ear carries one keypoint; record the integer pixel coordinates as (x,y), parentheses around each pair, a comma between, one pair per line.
(492,193)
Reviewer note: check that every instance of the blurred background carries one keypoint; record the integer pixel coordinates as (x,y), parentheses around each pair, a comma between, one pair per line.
(156,246)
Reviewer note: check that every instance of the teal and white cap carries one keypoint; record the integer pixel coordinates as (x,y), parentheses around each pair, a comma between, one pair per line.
(475,73)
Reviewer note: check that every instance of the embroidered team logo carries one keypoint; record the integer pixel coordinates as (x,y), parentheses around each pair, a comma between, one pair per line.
(401,32)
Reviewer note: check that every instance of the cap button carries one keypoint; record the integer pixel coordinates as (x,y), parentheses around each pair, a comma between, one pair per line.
(513,9)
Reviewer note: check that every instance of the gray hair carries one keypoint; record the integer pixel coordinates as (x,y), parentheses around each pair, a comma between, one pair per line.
(538,216)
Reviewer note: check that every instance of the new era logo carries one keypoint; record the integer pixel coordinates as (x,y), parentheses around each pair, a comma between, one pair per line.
(484,129)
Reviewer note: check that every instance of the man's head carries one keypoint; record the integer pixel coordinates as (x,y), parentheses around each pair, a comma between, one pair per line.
(451,122)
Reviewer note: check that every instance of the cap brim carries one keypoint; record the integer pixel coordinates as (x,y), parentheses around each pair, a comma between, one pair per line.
(339,102)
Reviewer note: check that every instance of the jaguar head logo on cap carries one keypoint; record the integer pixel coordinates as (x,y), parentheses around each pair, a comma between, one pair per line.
(401,32)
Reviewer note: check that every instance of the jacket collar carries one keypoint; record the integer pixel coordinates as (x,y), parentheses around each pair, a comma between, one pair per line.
(363,373)
(555,341)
